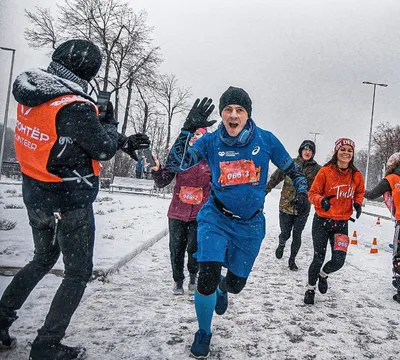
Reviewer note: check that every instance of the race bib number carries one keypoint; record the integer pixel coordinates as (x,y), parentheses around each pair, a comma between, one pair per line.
(237,172)
(191,195)
(341,242)
(388,200)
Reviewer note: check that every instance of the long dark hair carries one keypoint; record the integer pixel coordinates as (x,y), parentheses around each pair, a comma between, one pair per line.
(334,161)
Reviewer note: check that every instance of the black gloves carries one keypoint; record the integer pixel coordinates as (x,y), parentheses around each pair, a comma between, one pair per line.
(301,203)
(325,203)
(107,116)
(357,207)
(197,117)
(134,142)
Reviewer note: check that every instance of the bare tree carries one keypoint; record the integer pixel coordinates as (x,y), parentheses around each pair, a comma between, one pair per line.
(141,77)
(172,99)
(44,31)
(375,171)
(386,141)
(121,33)
(9,150)
(129,59)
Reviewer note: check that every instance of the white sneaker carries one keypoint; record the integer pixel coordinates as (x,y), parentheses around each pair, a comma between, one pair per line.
(191,289)
(178,288)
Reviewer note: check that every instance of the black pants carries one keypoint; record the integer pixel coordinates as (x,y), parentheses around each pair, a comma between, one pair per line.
(75,240)
(322,231)
(289,222)
(182,238)
(396,256)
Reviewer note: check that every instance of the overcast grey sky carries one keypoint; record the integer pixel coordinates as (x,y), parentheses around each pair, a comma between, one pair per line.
(302,62)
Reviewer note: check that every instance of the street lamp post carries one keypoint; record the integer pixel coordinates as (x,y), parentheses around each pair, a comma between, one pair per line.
(315,136)
(370,127)
(7,106)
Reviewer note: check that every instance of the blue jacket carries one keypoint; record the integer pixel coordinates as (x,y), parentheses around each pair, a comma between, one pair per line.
(253,145)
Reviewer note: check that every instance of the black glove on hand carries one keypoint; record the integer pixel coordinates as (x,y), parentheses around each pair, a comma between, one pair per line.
(138,141)
(301,203)
(135,142)
(358,209)
(325,203)
(197,117)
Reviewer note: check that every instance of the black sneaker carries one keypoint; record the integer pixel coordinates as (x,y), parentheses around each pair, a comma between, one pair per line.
(396,283)
(279,251)
(201,345)
(309,297)
(292,265)
(6,341)
(322,284)
(396,297)
(45,350)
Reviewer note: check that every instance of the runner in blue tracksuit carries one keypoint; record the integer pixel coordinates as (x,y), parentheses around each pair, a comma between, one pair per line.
(231,224)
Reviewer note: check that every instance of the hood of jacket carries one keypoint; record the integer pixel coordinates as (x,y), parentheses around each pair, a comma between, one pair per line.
(37,86)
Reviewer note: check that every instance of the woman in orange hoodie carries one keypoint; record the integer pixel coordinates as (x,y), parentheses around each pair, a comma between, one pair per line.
(337,188)
(389,187)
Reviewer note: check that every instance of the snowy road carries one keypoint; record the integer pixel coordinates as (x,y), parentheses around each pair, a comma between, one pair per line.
(134,315)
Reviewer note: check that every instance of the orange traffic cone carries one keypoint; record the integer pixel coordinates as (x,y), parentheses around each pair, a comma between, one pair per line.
(378,221)
(374,247)
(354,238)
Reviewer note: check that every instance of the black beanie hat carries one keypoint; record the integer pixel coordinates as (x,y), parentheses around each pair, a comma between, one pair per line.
(235,95)
(82,57)
(307,144)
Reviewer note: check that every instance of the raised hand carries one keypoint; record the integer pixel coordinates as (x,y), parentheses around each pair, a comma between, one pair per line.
(198,115)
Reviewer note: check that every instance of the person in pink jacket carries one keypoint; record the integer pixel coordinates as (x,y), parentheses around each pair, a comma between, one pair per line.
(191,191)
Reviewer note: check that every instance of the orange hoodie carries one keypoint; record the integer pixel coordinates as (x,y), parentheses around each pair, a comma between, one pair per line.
(394,181)
(347,186)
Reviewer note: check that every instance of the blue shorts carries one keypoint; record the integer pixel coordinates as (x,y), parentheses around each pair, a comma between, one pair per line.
(233,242)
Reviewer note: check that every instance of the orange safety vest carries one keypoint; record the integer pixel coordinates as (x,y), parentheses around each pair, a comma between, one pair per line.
(394,181)
(35,135)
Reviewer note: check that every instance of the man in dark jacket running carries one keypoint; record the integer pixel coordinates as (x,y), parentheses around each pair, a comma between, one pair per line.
(289,219)
(59,141)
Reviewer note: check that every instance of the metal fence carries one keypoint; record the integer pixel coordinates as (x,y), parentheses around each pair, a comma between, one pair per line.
(12,170)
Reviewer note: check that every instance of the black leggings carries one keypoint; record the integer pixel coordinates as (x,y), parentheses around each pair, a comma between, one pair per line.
(210,278)
(396,256)
(182,237)
(322,231)
(287,223)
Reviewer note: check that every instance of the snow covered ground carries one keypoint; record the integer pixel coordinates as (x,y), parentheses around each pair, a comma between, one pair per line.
(133,314)
(124,223)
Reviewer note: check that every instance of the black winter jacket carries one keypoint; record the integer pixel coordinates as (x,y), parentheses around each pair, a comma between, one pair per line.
(80,138)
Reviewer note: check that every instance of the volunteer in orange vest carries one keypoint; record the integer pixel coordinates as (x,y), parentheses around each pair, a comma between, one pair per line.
(336,190)
(389,187)
(59,141)
(191,191)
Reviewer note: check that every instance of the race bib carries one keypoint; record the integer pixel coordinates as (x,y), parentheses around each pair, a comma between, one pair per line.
(388,200)
(341,242)
(237,172)
(191,195)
